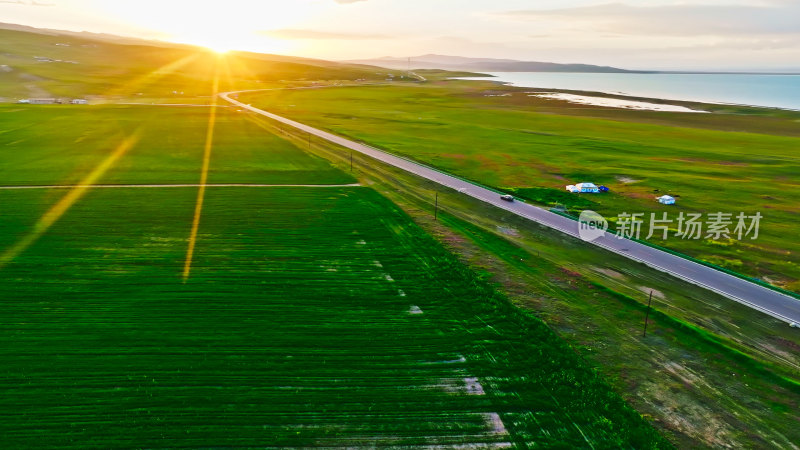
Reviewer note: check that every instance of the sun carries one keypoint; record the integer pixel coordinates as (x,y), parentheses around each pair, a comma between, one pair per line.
(233,25)
(220,49)
(220,45)
(223,44)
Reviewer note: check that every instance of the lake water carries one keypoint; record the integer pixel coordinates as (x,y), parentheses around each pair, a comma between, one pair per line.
(778,91)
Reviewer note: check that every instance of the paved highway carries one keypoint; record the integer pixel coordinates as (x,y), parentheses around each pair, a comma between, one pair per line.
(777,305)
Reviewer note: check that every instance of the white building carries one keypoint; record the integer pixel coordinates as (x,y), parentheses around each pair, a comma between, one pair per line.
(79,101)
(583,188)
(666,200)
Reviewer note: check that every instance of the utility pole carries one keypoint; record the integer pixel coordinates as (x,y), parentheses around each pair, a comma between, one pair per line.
(647,315)
(436,208)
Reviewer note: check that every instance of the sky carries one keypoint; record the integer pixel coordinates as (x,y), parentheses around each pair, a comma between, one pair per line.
(761,35)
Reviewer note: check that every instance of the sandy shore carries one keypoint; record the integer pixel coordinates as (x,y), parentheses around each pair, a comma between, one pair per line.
(613,102)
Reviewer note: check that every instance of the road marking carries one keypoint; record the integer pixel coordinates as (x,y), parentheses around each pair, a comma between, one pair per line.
(152,186)
(59,209)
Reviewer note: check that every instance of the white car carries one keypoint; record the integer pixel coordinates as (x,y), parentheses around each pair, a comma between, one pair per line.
(794,325)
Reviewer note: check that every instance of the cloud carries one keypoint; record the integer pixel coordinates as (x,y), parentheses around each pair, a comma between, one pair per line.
(320,35)
(347,2)
(674,20)
(32,3)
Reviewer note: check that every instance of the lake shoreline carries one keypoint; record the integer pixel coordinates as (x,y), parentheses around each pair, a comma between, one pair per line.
(610,93)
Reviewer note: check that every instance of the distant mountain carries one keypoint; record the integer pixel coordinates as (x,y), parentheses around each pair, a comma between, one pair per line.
(459,63)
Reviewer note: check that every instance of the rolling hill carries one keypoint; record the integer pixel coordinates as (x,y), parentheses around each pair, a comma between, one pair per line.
(49,63)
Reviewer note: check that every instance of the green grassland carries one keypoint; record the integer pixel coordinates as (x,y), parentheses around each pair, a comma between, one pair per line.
(313,315)
(53,145)
(105,346)
(732,161)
